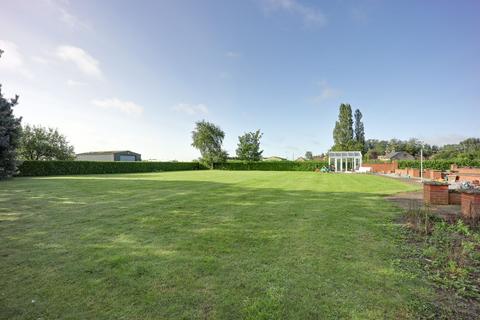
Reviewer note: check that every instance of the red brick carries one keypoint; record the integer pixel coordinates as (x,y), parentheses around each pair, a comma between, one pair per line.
(435,194)
(470,204)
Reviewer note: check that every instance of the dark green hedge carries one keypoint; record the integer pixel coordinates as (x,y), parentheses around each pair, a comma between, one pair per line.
(273,165)
(438,164)
(56,168)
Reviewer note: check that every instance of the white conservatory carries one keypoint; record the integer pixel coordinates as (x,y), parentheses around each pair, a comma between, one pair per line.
(344,161)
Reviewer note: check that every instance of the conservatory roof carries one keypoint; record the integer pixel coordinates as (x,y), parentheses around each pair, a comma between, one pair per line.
(345,154)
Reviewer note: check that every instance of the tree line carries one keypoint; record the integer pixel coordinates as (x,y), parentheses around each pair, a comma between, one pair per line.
(41,143)
(349,135)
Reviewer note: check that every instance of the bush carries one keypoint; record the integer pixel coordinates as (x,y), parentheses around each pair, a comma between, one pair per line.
(54,168)
(273,165)
(438,164)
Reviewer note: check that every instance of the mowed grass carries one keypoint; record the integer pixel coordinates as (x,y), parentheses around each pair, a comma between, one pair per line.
(203,245)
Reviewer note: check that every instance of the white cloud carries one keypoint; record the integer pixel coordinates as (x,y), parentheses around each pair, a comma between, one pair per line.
(191,109)
(127,107)
(326,92)
(74,83)
(310,16)
(12,60)
(233,54)
(40,60)
(84,61)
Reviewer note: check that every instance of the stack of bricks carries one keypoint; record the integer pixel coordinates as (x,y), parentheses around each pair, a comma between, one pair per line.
(470,205)
(435,193)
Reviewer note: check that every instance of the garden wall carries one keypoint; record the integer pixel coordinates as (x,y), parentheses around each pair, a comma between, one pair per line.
(56,168)
(388,167)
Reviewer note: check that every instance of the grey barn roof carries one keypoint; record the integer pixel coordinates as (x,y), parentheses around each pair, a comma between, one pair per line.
(106,152)
(399,153)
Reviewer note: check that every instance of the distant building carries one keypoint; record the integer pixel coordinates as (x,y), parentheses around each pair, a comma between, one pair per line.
(301,159)
(319,158)
(124,155)
(397,155)
(274,158)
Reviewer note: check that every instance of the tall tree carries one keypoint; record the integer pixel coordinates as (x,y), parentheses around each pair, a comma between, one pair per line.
(359,131)
(40,143)
(10,131)
(208,139)
(309,155)
(343,131)
(248,148)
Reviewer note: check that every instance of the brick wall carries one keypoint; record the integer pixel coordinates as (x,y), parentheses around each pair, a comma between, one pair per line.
(382,167)
(432,174)
(414,172)
(435,194)
(470,205)
(466,170)
(454,197)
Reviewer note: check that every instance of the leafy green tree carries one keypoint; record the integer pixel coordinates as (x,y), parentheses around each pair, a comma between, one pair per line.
(466,149)
(395,145)
(10,131)
(41,143)
(343,131)
(309,155)
(375,147)
(208,139)
(248,148)
(359,131)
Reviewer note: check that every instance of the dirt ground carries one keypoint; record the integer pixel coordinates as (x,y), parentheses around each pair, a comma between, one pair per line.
(414,201)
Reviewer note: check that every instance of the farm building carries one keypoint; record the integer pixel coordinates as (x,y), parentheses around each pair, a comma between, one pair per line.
(274,158)
(124,155)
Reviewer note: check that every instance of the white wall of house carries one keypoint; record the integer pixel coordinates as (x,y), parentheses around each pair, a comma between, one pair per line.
(95,157)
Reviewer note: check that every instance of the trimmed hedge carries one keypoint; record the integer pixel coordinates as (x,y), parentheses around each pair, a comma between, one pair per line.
(438,164)
(56,168)
(273,165)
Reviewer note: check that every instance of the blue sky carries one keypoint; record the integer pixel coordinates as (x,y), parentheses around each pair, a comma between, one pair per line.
(137,74)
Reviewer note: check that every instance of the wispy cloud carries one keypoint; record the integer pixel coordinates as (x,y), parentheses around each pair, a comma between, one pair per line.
(191,109)
(443,139)
(12,60)
(233,54)
(62,10)
(310,15)
(127,107)
(82,60)
(326,92)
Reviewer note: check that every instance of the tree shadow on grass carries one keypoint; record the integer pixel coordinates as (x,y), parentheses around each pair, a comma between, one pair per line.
(197,249)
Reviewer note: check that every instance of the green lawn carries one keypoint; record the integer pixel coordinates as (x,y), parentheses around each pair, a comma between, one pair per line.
(203,245)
